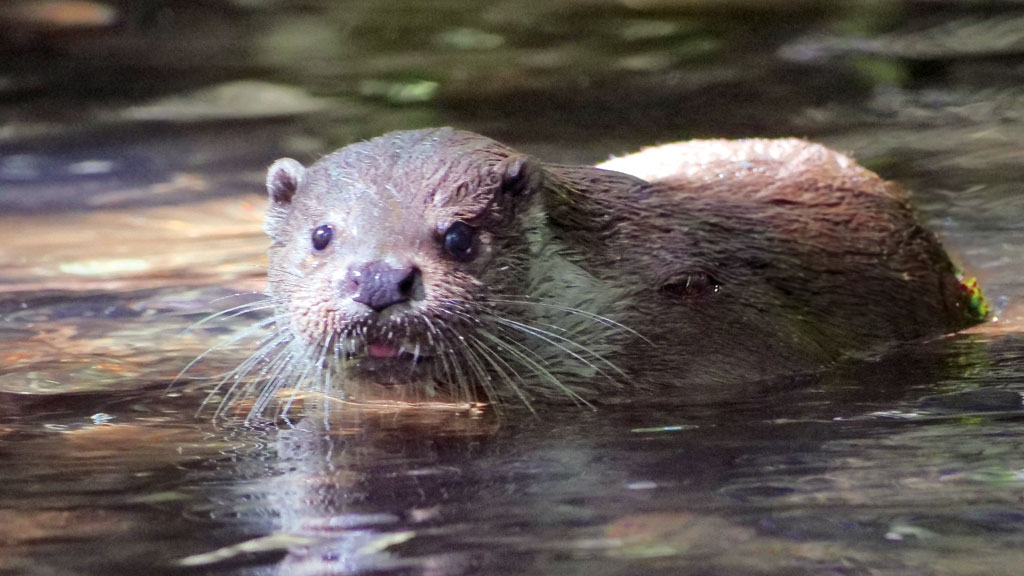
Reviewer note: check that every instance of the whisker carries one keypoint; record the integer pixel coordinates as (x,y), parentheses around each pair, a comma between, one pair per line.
(233,312)
(283,373)
(239,373)
(544,373)
(493,359)
(550,337)
(469,391)
(249,332)
(318,363)
(577,311)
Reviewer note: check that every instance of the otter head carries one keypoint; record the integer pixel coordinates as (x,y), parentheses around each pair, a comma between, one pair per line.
(384,256)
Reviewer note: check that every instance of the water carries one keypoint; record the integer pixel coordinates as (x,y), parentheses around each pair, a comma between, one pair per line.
(131,158)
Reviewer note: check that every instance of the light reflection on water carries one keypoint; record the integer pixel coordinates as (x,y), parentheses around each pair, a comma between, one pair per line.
(131,209)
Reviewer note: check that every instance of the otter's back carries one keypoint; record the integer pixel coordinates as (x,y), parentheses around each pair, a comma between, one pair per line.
(770,161)
(806,229)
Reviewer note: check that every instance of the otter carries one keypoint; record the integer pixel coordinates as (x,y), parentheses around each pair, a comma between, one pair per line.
(442,264)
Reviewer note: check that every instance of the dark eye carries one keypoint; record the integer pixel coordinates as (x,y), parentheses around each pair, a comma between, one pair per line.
(458,241)
(322,236)
(693,286)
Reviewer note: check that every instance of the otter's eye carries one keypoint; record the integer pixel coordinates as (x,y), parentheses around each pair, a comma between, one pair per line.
(458,241)
(322,236)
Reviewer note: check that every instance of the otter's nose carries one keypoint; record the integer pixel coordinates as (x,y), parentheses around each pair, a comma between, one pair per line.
(379,285)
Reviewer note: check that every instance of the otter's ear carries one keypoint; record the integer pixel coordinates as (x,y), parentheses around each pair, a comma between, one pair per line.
(283,179)
(520,175)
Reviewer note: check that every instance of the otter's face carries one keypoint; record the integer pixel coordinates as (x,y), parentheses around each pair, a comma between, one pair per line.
(385,255)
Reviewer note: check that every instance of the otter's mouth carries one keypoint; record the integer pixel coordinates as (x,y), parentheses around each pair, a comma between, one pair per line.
(384,350)
(389,364)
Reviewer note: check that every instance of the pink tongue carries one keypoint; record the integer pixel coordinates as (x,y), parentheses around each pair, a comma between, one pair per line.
(377,350)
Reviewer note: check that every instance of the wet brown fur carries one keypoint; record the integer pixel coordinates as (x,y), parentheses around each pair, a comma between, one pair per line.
(728,262)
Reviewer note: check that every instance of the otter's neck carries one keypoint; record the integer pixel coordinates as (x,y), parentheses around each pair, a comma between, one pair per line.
(567,226)
(582,306)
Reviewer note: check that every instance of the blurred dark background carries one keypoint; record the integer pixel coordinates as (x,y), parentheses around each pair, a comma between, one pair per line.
(146,90)
(116,104)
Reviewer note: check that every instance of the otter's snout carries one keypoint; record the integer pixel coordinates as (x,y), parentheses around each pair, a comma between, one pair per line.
(379,285)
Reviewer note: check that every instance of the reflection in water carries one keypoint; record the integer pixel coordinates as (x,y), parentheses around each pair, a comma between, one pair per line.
(738,489)
(132,153)
(401,461)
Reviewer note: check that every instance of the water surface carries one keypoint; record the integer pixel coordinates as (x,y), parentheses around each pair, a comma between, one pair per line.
(132,151)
